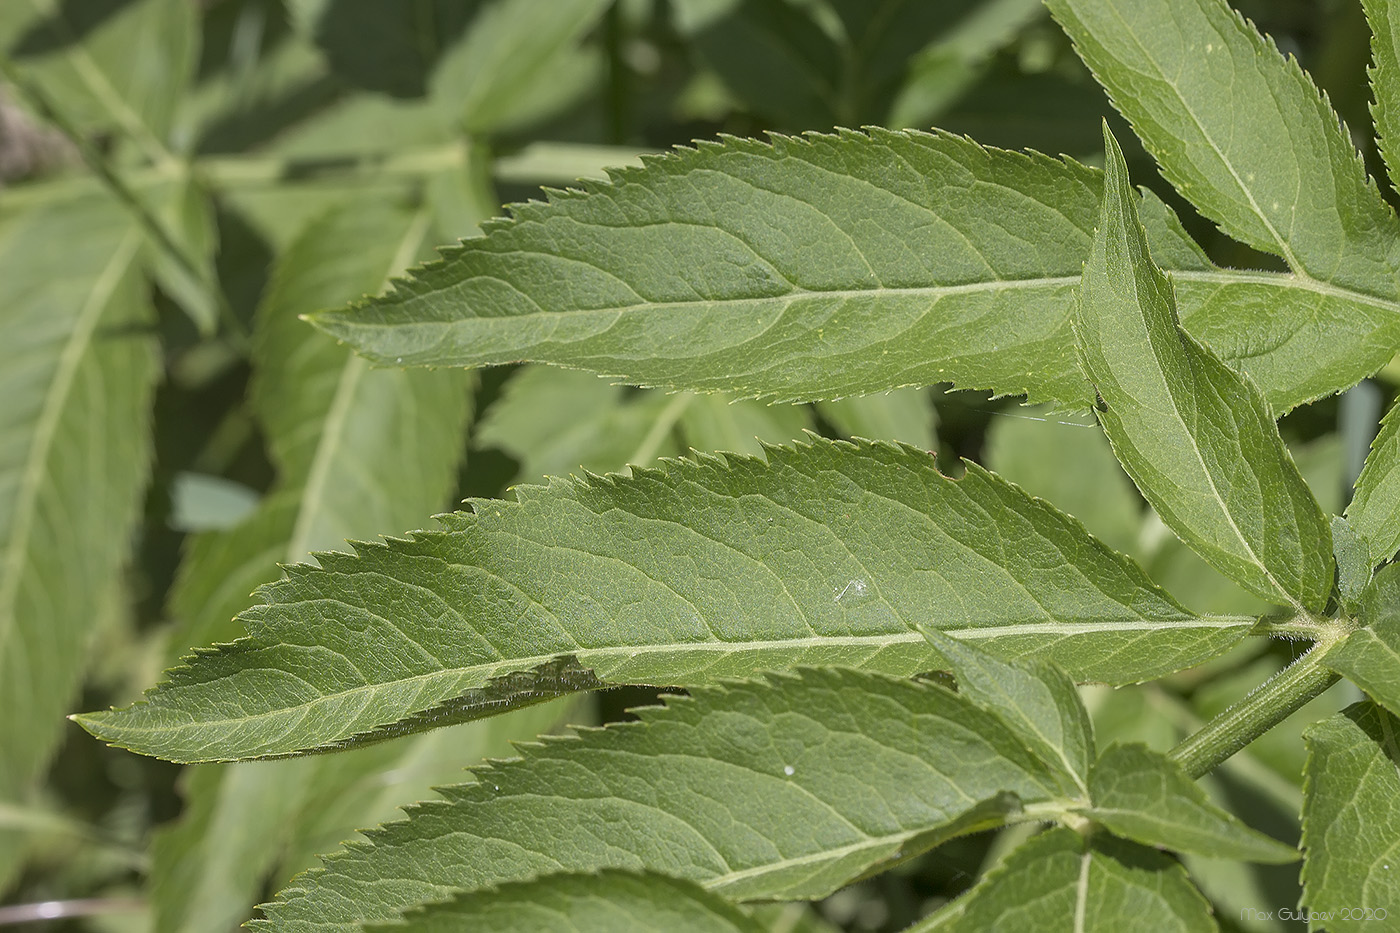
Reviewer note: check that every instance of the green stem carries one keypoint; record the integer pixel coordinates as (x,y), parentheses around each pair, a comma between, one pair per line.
(1275,700)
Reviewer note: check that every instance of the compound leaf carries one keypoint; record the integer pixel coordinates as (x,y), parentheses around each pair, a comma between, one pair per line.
(759,268)
(1197,437)
(779,789)
(827,553)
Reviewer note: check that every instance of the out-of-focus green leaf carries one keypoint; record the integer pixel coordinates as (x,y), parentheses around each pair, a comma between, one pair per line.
(77,370)
(801,297)
(606,902)
(1059,881)
(1243,134)
(199,502)
(827,553)
(519,61)
(1068,461)
(358,451)
(107,64)
(717,423)
(798,821)
(1350,822)
(1197,437)
(1144,796)
(249,823)
(408,39)
(942,71)
(1374,512)
(904,415)
(557,421)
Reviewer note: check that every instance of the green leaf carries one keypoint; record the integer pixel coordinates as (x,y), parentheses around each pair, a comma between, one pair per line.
(77,371)
(1143,796)
(1370,657)
(555,422)
(1242,133)
(1374,511)
(409,38)
(904,415)
(603,903)
(827,553)
(1058,881)
(247,824)
(1385,79)
(752,268)
(1037,700)
(743,426)
(1069,462)
(520,61)
(1354,564)
(1196,437)
(1350,823)
(747,789)
(357,450)
(107,64)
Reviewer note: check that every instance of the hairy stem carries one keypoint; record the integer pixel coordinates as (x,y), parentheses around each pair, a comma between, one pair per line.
(1274,700)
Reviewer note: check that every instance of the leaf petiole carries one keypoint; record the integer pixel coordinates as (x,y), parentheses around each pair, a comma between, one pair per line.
(1258,712)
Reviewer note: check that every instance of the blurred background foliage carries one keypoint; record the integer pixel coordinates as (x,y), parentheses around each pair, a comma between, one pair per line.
(180,179)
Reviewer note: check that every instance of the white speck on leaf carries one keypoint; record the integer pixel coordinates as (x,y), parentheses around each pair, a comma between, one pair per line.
(789,770)
(854,587)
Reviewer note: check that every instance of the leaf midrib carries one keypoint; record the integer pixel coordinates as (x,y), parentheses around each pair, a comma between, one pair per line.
(495,668)
(1222,277)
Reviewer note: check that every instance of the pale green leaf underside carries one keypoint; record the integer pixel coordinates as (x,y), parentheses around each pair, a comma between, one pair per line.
(608,902)
(834,265)
(1143,796)
(1385,79)
(827,553)
(1058,882)
(1374,511)
(1197,437)
(748,789)
(1350,821)
(1242,133)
